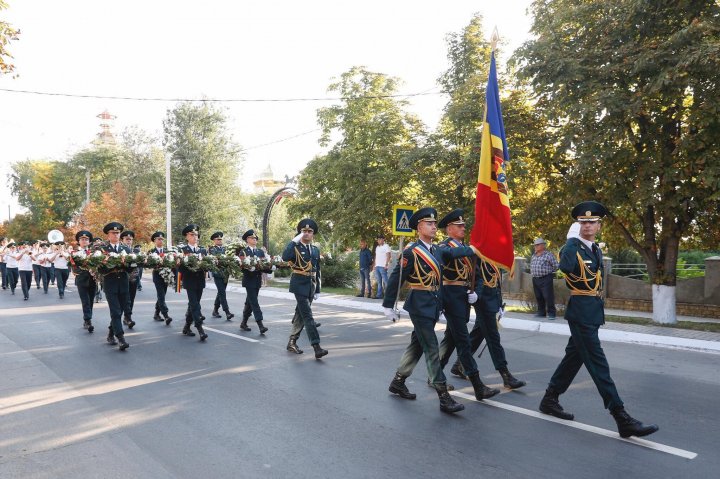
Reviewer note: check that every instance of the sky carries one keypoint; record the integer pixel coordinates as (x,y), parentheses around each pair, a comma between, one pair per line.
(219,49)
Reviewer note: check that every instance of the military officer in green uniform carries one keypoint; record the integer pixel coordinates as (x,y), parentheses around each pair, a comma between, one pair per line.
(305,282)
(458,294)
(219,278)
(84,281)
(581,261)
(193,281)
(422,270)
(252,282)
(158,238)
(128,237)
(116,284)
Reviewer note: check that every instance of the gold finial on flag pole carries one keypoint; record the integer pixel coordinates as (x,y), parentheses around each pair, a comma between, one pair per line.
(494,39)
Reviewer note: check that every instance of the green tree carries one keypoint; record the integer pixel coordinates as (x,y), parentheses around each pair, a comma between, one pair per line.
(7,34)
(630,89)
(204,169)
(351,189)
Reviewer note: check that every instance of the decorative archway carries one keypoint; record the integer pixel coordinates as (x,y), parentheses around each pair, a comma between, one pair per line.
(277,197)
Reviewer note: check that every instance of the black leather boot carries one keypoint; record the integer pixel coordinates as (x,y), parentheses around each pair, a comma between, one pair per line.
(244,326)
(447,403)
(202,333)
(319,352)
(168,319)
(130,323)
(481,391)
(262,327)
(229,316)
(186,330)
(550,405)
(293,347)
(111,338)
(509,380)
(157,316)
(123,344)
(457,370)
(215,313)
(629,426)
(397,386)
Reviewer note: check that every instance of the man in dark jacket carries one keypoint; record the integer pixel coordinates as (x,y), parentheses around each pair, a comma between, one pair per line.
(252,282)
(192,281)
(160,285)
(116,284)
(84,281)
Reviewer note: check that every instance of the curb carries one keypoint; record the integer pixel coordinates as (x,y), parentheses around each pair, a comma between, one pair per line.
(508,322)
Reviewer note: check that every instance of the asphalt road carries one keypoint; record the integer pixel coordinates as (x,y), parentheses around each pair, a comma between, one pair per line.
(171,406)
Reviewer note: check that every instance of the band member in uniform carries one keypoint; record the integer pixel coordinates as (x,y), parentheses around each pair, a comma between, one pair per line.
(85,282)
(160,285)
(37,272)
(305,282)
(24,257)
(458,294)
(43,260)
(3,266)
(127,237)
(422,269)
(252,281)
(193,282)
(11,268)
(581,261)
(221,281)
(59,259)
(116,284)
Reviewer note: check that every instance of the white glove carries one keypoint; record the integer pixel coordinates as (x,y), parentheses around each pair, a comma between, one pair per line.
(391,314)
(316,296)
(472,297)
(273,268)
(574,231)
(297,239)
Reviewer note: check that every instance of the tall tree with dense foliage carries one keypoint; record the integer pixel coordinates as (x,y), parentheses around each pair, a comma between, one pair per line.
(205,163)
(631,90)
(351,189)
(7,35)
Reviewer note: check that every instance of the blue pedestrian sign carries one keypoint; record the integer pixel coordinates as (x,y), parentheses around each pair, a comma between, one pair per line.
(401,220)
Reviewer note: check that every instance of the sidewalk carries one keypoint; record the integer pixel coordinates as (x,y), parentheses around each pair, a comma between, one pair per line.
(657,336)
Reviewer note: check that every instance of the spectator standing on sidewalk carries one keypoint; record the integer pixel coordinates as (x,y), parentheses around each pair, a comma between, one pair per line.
(366,260)
(382,260)
(543,266)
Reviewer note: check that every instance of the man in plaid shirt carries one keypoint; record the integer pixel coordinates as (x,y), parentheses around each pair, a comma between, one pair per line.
(542,267)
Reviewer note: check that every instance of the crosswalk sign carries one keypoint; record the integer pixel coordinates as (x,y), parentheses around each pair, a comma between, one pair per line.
(401,220)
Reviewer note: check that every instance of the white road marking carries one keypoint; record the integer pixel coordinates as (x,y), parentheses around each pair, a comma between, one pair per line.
(231,335)
(585,427)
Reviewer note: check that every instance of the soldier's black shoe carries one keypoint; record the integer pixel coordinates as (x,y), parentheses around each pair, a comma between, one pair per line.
(157,316)
(550,405)
(123,344)
(449,387)
(111,339)
(447,403)
(629,426)
(202,318)
(229,316)
(293,347)
(510,381)
(319,352)
(187,331)
(168,320)
(128,322)
(317,325)
(457,370)
(87,324)
(203,334)
(397,386)
(215,313)
(481,391)
(262,327)
(244,326)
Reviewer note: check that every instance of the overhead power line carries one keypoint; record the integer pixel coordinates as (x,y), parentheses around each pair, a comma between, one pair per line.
(229,100)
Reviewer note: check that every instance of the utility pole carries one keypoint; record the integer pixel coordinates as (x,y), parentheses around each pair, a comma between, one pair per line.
(168,212)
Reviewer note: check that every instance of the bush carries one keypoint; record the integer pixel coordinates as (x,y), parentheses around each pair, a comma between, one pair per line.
(339,272)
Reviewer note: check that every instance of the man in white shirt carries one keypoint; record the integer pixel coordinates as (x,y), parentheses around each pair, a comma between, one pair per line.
(382,260)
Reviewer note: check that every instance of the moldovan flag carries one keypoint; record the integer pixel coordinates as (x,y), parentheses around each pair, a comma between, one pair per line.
(492,232)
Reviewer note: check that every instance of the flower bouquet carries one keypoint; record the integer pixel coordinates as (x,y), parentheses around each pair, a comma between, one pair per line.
(196,263)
